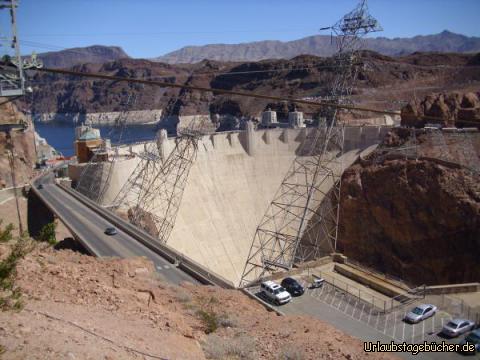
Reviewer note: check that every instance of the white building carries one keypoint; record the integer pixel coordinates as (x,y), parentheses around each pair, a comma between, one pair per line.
(269,118)
(295,119)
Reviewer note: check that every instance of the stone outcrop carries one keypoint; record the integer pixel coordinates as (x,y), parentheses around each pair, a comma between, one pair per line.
(23,146)
(134,117)
(417,219)
(457,109)
(389,81)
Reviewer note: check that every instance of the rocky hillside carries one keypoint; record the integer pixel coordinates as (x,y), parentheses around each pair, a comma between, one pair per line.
(90,54)
(22,142)
(79,307)
(416,219)
(456,109)
(383,82)
(320,45)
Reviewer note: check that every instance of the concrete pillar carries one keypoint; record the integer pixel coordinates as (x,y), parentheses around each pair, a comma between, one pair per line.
(286,136)
(162,143)
(268,137)
(250,138)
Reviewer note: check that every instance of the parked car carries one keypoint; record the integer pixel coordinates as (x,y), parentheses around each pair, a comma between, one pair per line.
(472,338)
(40,187)
(293,286)
(110,231)
(317,283)
(420,313)
(274,292)
(457,327)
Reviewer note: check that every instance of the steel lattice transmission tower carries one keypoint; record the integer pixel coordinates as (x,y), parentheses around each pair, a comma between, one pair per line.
(95,178)
(301,222)
(153,192)
(12,80)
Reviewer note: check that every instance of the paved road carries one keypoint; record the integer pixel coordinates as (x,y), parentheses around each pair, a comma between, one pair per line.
(90,227)
(350,320)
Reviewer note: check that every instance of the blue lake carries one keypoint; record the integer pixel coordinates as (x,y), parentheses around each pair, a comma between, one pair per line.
(62,136)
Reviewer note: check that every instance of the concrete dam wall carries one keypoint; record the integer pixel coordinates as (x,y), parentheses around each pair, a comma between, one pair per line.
(230,186)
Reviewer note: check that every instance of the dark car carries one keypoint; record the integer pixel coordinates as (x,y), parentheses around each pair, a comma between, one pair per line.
(110,231)
(474,339)
(40,187)
(293,286)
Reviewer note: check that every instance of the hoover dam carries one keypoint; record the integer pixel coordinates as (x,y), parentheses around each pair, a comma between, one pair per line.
(231,183)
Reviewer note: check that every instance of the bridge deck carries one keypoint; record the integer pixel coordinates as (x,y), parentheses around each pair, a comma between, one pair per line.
(89,227)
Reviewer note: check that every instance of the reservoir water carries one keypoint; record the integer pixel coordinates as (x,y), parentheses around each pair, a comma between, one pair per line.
(62,136)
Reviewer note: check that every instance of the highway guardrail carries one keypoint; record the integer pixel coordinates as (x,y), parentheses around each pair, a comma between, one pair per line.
(183,262)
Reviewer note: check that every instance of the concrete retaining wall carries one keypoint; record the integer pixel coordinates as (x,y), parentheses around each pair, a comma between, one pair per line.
(452,289)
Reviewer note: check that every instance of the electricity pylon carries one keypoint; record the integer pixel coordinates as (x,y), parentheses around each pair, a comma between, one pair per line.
(12,80)
(152,194)
(95,177)
(301,222)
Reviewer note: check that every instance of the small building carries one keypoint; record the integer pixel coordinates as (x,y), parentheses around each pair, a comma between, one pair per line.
(87,140)
(269,118)
(295,119)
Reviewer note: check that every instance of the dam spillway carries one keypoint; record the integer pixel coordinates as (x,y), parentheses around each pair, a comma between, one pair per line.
(230,185)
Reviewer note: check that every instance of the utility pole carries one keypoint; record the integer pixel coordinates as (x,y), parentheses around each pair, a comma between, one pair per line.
(11,161)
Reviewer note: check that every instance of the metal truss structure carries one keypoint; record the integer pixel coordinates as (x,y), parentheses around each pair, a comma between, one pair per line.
(152,194)
(96,175)
(12,80)
(301,222)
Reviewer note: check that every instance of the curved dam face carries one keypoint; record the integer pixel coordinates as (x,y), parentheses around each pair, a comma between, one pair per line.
(230,186)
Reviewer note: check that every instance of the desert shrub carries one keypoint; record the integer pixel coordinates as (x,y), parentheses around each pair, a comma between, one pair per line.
(238,347)
(209,319)
(9,294)
(225,321)
(208,314)
(6,234)
(47,233)
(292,352)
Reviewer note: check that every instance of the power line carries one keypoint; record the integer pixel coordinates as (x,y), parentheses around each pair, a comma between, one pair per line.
(318,104)
(234,93)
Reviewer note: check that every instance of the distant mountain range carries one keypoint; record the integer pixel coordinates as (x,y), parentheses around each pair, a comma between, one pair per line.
(91,54)
(319,45)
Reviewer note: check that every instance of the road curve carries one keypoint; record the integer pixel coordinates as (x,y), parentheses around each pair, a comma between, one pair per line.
(89,227)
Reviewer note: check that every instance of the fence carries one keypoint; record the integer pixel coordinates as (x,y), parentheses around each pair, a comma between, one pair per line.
(381,305)
(456,307)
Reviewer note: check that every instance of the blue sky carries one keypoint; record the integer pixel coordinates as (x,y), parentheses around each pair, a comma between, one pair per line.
(149,28)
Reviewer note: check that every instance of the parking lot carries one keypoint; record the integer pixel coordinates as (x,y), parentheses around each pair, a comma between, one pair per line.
(367,322)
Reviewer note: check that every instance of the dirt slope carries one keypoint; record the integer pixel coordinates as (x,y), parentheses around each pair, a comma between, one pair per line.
(79,307)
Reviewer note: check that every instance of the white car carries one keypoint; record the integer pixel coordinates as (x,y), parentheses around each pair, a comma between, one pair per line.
(275,292)
(457,327)
(421,312)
